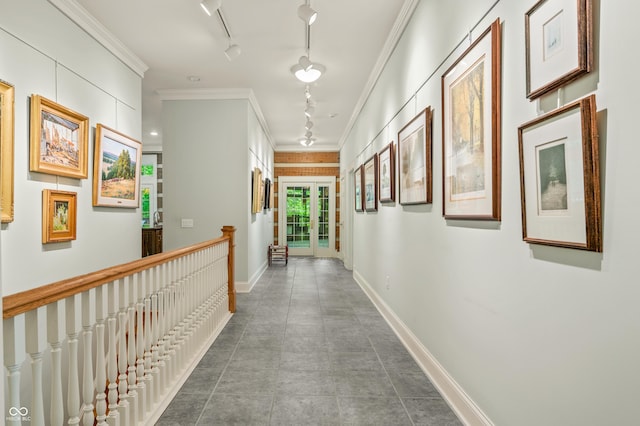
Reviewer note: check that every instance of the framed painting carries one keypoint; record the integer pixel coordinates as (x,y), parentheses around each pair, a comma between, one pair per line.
(7,99)
(257,189)
(58,216)
(559,44)
(358,177)
(59,139)
(471,131)
(116,169)
(560,178)
(387,174)
(371,184)
(414,160)
(267,193)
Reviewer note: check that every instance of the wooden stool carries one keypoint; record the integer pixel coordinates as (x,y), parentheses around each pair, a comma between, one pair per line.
(278,253)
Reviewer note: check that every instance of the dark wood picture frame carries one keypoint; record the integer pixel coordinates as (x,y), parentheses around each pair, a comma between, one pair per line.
(370,171)
(358,193)
(560,178)
(387,174)
(553,57)
(415,174)
(471,122)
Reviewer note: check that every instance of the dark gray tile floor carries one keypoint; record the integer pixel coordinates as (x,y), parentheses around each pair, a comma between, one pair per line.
(307,347)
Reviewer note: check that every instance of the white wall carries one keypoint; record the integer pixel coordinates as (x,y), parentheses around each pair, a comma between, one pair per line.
(209,148)
(533,335)
(43,52)
(260,224)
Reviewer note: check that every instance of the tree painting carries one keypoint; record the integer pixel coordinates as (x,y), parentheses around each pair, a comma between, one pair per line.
(118,170)
(467,118)
(61,214)
(552,177)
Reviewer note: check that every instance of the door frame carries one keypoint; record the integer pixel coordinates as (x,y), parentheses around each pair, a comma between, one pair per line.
(314,182)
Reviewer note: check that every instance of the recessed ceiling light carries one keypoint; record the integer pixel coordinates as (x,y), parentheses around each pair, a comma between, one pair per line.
(153,133)
(333,115)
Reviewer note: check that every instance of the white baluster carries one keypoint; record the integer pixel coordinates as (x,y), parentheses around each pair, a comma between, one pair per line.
(13,358)
(87,370)
(132,390)
(140,338)
(73,389)
(101,368)
(54,336)
(112,365)
(123,404)
(148,337)
(34,348)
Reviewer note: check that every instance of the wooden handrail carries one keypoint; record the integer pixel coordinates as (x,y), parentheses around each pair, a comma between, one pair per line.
(19,303)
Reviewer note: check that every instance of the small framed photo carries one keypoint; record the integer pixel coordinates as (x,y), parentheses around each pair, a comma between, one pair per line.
(560,178)
(358,178)
(7,98)
(371,184)
(414,160)
(559,46)
(116,169)
(471,131)
(59,139)
(58,216)
(387,174)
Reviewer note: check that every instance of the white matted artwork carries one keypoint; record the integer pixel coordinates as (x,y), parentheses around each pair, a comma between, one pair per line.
(560,179)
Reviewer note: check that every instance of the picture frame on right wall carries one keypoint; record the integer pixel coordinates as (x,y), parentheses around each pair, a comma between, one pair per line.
(387,172)
(560,178)
(471,154)
(559,44)
(415,171)
(358,195)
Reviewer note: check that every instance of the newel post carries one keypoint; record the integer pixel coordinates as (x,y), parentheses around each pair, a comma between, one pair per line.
(229,231)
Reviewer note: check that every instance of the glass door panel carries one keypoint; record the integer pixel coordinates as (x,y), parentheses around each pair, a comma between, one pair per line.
(323,216)
(298,219)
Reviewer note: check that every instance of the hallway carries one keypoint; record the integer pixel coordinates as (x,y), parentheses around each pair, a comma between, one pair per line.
(306,347)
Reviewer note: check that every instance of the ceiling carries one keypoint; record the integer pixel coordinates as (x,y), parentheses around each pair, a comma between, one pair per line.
(177,40)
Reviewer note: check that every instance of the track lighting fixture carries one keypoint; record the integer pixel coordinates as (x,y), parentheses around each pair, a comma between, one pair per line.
(308,111)
(307,14)
(308,125)
(232,52)
(307,141)
(307,93)
(210,6)
(310,75)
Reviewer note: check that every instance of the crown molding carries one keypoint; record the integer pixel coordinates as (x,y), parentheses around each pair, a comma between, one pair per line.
(394,36)
(99,32)
(219,94)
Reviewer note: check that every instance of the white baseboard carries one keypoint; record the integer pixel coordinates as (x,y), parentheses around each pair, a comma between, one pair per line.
(184,375)
(246,287)
(464,407)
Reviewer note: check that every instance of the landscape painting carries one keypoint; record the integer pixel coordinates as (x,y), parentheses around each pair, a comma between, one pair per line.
(467,143)
(552,178)
(58,216)
(58,140)
(116,169)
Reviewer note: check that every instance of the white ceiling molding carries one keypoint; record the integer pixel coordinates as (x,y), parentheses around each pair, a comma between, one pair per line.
(95,29)
(394,36)
(218,94)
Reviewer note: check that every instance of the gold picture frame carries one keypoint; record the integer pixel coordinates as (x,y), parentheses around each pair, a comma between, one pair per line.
(116,169)
(58,216)
(59,139)
(7,100)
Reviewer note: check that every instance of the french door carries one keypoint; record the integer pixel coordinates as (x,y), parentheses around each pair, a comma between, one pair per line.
(307,215)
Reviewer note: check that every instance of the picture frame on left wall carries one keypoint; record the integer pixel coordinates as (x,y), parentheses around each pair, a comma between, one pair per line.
(58,216)
(59,139)
(7,99)
(116,169)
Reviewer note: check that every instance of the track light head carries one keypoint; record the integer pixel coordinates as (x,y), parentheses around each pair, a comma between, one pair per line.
(210,6)
(232,52)
(307,14)
(308,111)
(308,125)
(305,63)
